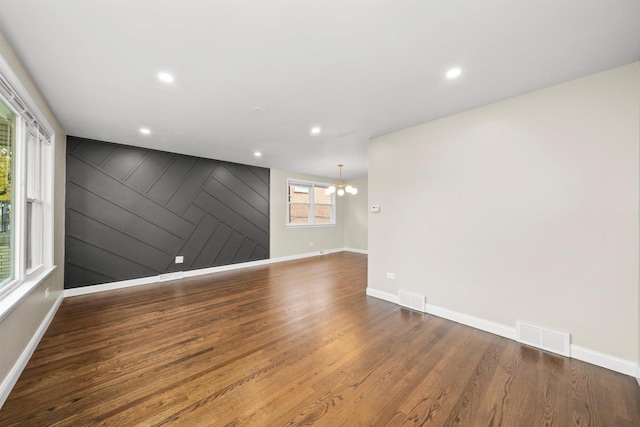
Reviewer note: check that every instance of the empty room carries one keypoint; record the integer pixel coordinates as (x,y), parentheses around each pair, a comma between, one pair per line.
(330,213)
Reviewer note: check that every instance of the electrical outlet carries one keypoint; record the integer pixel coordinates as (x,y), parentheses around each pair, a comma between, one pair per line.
(391,276)
(179,259)
(46,293)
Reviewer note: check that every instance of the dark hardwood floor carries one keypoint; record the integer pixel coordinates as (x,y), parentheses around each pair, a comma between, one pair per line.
(296,343)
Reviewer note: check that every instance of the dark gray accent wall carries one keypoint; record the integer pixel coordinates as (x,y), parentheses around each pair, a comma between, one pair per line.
(130,211)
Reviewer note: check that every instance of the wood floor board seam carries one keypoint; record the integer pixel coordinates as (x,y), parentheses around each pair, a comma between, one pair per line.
(295,343)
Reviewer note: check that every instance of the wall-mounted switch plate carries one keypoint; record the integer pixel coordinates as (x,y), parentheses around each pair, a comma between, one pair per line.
(179,259)
(391,276)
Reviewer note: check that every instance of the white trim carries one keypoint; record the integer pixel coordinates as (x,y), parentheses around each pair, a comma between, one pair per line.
(12,377)
(474,322)
(357,251)
(14,297)
(109,286)
(580,353)
(11,85)
(84,290)
(28,117)
(604,360)
(312,204)
(385,296)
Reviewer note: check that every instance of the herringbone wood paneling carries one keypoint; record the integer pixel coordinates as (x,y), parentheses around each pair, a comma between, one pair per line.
(130,211)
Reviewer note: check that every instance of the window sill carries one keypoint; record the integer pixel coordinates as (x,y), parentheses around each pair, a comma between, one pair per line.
(309,225)
(12,297)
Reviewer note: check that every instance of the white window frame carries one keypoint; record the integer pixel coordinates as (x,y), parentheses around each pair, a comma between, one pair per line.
(29,120)
(312,204)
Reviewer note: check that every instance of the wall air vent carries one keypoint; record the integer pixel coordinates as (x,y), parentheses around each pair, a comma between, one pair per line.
(545,339)
(413,301)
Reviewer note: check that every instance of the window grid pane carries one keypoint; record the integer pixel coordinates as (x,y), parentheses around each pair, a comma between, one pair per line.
(34,235)
(299,194)
(34,166)
(322,214)
(320,197)
(298,214)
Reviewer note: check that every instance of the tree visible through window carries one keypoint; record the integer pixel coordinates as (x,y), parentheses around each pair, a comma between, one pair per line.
(7,143)
(26,191)
(308,204)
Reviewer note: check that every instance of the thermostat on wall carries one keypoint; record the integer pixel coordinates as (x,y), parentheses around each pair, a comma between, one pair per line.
(375,208)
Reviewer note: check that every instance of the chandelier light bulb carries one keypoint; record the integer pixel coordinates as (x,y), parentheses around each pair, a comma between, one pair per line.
(341,187)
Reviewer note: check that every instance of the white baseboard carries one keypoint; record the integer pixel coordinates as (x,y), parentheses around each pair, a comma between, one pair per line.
(465,319)
(84,290)
(474,322)
(110,286)
(580,353)
(357,251)
(12,377)
(386,296)
(604,360)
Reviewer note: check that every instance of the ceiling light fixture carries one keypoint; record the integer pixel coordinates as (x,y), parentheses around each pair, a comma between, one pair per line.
(315,130)
(165,77)
(341,187)
(257,154)
(453,73)
(145,131)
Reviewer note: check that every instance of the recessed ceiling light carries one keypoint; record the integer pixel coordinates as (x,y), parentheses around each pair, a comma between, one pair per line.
(258,110)
(257,154)
(453,73)
(165,77)
(145,131)
(315,130)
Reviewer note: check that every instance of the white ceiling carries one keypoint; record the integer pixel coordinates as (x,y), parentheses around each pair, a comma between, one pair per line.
(358,69)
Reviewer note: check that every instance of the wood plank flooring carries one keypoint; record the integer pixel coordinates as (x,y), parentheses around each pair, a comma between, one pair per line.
(295,343)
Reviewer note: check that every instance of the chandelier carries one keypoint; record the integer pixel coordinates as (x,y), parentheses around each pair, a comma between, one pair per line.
(341,187)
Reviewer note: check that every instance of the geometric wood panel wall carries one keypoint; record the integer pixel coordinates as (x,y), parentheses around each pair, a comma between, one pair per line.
(130,211)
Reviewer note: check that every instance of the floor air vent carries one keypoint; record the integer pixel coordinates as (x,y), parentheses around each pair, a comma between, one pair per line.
(413,301)
(545,339)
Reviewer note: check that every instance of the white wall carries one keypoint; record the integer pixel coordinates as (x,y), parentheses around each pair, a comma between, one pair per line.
(526,209)
(289,241)
(20,326)
(356,217)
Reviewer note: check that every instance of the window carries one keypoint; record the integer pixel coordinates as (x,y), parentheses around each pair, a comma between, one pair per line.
(35,200)
(309,204)
(26,188)
(7,144)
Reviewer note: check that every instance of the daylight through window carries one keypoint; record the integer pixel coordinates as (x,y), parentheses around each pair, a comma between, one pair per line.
(26,191)
(309,205)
